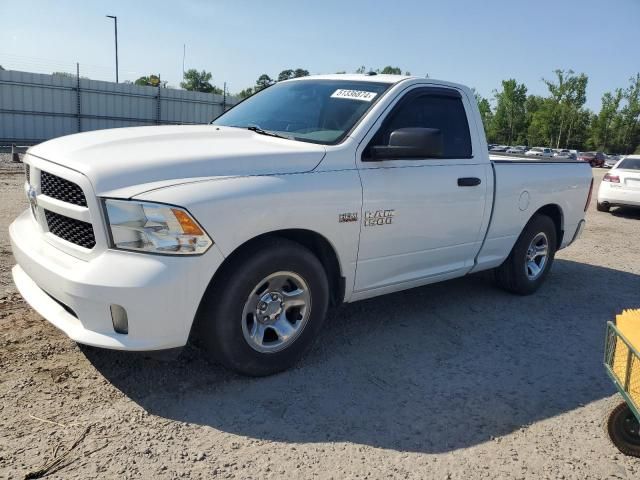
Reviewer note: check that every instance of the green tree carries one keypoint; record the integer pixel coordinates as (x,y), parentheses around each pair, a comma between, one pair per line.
(629,130)
(199,82)
(568,95)
(508,123)
(581,126)
(361,69)
(538,120)
(1,67)
(285,75)
(289,74)
(389,70)
(485,111)
(247,92)
(601,134)
(263,82)
(150,81)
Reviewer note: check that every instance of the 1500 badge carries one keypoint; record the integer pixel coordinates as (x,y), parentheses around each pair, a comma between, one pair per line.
(378,218)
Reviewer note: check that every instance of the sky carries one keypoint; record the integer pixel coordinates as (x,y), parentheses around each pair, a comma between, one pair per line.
(474,42)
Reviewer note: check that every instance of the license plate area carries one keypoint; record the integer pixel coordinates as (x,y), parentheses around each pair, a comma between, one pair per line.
(633,183)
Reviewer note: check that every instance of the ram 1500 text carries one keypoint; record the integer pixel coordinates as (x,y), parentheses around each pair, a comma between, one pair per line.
(313,192)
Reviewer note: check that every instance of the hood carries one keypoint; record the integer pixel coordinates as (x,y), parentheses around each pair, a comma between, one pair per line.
(128,161)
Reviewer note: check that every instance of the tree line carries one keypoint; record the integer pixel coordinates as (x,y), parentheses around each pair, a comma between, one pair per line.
(559,119)
(200,80)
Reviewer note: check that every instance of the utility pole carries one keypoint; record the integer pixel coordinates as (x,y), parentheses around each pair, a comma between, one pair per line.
(116,35)
(224,97)
(184,54)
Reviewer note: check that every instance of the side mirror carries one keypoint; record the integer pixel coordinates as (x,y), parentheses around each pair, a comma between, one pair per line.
(410,144)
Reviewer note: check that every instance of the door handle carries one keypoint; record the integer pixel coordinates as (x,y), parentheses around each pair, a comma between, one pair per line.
(469,181)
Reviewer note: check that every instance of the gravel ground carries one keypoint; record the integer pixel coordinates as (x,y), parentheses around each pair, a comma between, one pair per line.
(455,380)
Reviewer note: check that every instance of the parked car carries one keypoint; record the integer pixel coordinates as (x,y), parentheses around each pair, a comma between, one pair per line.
(539,152)
(241,235)
(611,160)
(595,159)
(499,148)
(564,153)
(516,150)
(621,185)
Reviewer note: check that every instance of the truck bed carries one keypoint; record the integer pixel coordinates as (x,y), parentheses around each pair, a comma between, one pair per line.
(511,158)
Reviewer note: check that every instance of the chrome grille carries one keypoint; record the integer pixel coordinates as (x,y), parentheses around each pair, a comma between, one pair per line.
(70,229)
(61,189)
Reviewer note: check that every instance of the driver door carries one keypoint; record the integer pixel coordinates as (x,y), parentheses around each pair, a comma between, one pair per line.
(423,218)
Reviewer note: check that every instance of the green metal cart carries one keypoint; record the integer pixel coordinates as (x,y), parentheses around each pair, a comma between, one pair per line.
(622,363)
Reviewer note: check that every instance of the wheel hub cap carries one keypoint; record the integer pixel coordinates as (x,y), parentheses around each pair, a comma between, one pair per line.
(269,308)
(537,255)
(276,312)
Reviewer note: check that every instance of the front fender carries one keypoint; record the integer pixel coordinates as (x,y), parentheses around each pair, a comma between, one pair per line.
(235,210)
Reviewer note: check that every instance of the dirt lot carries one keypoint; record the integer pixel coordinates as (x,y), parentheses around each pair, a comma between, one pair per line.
(456,380)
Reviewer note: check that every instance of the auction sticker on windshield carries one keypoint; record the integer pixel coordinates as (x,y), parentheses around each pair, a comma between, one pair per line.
(354,94)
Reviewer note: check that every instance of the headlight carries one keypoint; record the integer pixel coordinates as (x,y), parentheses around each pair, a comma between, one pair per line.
(155,228)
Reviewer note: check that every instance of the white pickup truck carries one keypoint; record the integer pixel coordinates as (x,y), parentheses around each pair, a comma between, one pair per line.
(313,192)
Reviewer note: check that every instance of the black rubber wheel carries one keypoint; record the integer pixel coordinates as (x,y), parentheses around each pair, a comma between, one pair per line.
(518,274)
(624,430)
(227,318)
(603,207)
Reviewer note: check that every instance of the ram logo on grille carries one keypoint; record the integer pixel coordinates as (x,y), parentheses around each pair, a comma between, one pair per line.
(32,196)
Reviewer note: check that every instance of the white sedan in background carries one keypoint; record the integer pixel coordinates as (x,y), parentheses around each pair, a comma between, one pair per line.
(621,185)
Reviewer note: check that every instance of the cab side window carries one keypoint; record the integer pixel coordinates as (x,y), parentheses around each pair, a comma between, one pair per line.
(444,112)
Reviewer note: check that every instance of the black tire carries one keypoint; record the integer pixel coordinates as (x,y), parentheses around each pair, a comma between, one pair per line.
(603,207)
(512,274)
(219,322)
(623,429)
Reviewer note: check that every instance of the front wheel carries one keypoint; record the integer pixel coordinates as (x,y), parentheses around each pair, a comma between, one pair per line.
(530,260)
(265,308)
(624,430)
(603,207)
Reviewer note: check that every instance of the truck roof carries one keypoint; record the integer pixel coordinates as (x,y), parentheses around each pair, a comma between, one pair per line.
(377,78)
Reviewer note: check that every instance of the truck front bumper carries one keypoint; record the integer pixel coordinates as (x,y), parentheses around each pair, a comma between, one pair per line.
(160,294)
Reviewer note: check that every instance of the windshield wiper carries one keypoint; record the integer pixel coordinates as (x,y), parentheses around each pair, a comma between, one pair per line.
(261,131)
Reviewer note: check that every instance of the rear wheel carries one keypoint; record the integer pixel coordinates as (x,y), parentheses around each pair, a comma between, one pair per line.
(265,309)
(603,207)
(624,430)
(530,260)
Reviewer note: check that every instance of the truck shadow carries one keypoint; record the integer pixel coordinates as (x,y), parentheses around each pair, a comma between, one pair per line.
(432,369)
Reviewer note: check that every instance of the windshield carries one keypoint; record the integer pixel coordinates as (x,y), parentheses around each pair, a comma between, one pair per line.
(318,111)
(630,164)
